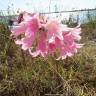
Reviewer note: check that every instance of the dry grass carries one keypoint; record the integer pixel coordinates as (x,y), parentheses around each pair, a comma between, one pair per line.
(22,75)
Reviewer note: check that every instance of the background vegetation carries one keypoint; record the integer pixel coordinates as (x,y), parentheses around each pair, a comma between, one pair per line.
(22,75)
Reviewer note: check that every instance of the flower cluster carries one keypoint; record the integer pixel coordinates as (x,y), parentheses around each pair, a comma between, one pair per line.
(40,36)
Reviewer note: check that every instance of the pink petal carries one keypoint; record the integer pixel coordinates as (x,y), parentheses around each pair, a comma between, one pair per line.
(34,54)
(18,30)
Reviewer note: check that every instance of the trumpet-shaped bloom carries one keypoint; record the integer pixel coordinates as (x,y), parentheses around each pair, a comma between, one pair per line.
(42,37)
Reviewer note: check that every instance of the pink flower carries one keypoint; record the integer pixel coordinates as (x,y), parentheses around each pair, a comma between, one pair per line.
(53,29)
(42,37)
(41,47)
(28,28)
(69,45)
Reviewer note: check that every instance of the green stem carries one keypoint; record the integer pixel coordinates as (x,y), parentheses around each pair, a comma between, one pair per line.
(54,69)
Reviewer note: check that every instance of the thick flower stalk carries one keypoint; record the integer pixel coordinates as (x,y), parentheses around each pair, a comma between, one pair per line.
(40,36)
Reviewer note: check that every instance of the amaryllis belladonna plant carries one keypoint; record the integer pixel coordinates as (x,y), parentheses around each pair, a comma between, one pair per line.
(39,36)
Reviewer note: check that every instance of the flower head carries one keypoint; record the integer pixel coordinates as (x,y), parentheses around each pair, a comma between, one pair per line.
(42,37)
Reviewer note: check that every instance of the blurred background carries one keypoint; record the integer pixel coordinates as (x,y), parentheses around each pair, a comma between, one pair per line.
(22,75)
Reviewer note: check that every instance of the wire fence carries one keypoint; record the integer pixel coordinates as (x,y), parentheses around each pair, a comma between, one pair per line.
(66,11)
(82,10)
(77,15)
